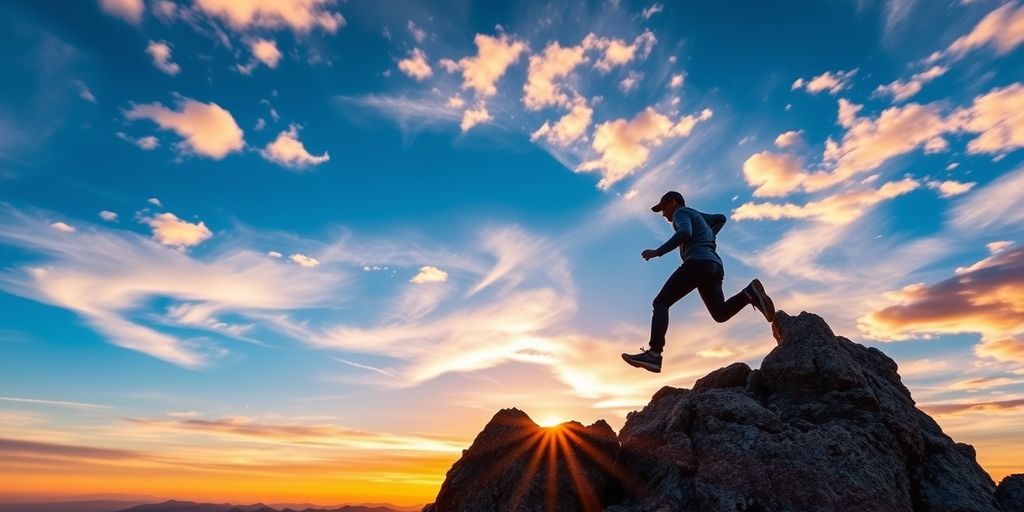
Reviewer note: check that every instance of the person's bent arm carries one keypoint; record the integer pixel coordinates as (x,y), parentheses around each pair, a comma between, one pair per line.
(715,222)
(678,238)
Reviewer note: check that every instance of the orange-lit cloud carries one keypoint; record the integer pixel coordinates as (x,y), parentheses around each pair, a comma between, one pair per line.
(494,55)
(569,128)
(416,65)
(840,208)
(623,145)
(288,151)
(1002,29)
(827,81)
(299,15)
(207,129)
(774,174)
(959,408)
(985,298)
(542,86)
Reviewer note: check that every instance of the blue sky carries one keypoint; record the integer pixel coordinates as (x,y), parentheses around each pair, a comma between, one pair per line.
(230,225)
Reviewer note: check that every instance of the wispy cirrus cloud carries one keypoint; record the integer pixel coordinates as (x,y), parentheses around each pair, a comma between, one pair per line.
(103,273)
(1002,30)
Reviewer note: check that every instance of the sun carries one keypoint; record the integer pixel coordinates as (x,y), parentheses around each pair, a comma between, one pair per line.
(549,421)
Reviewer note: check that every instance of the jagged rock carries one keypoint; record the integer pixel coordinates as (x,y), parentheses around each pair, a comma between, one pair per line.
(824,425)
(1010,493)
(515,465)
(734,375)
(828,427)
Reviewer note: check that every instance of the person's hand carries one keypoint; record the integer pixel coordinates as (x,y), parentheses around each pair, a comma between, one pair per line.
(648,254)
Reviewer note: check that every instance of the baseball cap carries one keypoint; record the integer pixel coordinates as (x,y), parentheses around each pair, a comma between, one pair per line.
(671,194)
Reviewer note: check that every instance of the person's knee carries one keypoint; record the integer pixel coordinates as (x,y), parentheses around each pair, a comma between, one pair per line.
(719,317)
(661,303)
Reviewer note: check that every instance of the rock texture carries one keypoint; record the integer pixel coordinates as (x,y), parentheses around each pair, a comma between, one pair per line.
(824,425)
(1010,493)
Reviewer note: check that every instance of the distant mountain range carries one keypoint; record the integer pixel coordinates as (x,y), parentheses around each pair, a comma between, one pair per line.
(191,506)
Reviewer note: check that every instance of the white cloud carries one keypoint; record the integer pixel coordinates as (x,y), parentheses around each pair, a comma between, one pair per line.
(998,204)
(108,215)
(841,208)
(416,301)
(616,52)
(901,90)
(998,119)
(84,92)
(456,101)
(624,145)
(449,65)
(160,52)
(418,34)
(569,128)
(789,139)
(545,70)
(415,65)
(63,227)
(652,10)
(774,174)
(300,16)
(207,128)
(106,275)
(304,261)
(128,10)
(155,201)
(1002,29)
(847,113)
(868,143)
(429,274)
(494,56)
(826,81)
(265,50)
(474,116)
(274,254)
(147,142)
(677,80)
(169,230)
(288,151)
(166,10)
(412,113)
(950,188)
(632,81)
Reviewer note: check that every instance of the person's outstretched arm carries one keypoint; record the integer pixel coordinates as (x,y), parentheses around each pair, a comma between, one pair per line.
(683,232)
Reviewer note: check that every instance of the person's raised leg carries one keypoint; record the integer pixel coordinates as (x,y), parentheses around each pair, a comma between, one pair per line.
(760,299)
(711,291)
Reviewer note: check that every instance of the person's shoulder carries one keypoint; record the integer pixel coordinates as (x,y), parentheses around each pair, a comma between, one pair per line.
(685,210)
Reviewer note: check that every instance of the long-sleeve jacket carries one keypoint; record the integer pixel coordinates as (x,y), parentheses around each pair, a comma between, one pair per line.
(695,235)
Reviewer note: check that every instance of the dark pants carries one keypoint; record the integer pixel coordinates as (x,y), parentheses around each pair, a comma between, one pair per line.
(704,275)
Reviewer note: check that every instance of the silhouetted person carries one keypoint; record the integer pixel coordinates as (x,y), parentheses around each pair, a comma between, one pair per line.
(701,269)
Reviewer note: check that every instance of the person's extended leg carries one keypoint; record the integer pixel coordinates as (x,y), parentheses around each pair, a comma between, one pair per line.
(688,276)
(721,309)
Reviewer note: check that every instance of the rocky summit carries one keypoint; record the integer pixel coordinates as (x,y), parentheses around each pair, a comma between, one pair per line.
(824,425)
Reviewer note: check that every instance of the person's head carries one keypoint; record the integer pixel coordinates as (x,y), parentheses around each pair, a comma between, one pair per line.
(669,203)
